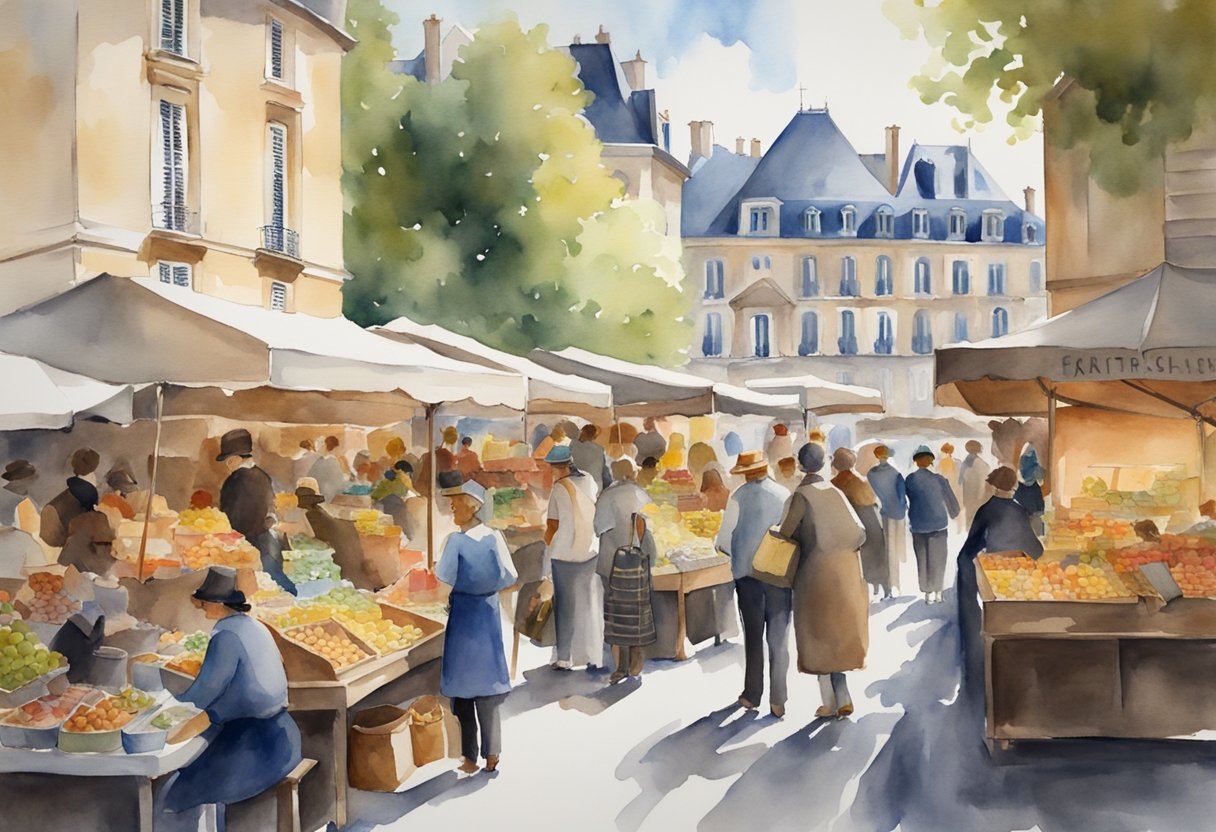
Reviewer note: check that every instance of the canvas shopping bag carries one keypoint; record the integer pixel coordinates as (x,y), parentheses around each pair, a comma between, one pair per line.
(427,733)
(776,560)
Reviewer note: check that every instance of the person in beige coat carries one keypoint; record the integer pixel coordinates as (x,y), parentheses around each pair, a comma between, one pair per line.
(831,604)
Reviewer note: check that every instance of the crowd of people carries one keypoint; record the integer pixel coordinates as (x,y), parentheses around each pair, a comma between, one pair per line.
(845,536)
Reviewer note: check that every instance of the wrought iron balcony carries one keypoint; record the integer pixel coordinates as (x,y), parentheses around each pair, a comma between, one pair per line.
(170,216)
(282,240)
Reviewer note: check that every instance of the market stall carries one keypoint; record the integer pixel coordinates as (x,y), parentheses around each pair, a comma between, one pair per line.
(1111,632)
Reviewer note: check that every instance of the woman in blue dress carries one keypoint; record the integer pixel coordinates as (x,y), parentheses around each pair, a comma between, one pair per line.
(252,743)
(476,564)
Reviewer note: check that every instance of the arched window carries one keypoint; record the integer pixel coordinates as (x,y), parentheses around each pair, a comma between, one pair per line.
(812,222)
(885,343)
(1000,322)
(809,343)
(883,282)
(810,277)
(922,277)
(715,283)
(849,287)
(768,262)
(847,343)
(961,274)
(922,333)
(756,264)
(1036,276)
(884,222)
(711,342)
(848,220)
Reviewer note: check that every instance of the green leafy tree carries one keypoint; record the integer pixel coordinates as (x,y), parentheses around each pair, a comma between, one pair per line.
(1143,68)
(481,203)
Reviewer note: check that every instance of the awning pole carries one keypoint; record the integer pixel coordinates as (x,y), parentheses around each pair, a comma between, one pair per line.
(430,497)
(143,538)
(1203,461)
(1051,445)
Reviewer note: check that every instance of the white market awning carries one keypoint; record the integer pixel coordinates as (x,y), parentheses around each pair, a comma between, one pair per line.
(138,331)
(740,401)
(39,396)
(823,397)
(549,392)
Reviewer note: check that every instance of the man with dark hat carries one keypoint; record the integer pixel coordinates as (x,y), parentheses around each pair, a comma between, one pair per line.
(59,513)
(120,483)
(243,689)
(247,497)
(18,476)
(339,534)
(931,506)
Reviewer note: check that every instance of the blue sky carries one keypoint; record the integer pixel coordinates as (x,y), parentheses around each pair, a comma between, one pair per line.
(740,65)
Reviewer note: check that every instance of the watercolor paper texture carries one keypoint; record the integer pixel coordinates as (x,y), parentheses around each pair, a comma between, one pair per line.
(625,416)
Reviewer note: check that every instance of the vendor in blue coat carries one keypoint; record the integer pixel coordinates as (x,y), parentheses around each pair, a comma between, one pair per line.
(252,743)
(476,564)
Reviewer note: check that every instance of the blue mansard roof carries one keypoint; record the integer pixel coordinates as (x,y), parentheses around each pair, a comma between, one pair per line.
(812,166)
(618,114)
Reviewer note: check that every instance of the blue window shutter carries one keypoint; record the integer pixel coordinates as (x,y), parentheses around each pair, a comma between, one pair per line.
(173,165)
(278,175)
(276,50)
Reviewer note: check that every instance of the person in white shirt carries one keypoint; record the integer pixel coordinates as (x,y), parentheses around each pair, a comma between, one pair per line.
(578,605)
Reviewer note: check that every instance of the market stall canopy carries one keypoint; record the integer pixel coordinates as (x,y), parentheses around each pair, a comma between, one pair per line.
(549,392)
(637,389)
(741,401)
(138,331)
(822,397)
(39,396)
(1148,347)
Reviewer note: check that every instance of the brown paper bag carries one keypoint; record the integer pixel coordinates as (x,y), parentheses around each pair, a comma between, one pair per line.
(426,730)
(381,755)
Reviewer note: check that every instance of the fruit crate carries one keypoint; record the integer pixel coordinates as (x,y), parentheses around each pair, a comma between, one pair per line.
(403,617)
(52,682)
(304,664)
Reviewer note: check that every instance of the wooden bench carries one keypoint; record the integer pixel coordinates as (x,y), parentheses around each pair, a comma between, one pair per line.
(275,809)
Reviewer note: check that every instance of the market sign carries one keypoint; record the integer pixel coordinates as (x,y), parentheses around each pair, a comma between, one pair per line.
(1165,364)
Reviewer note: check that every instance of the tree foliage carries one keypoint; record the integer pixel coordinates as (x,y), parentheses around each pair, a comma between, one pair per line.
(481,203)
(1143,68)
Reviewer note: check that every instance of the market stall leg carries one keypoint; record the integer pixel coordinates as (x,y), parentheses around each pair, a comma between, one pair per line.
(682,626)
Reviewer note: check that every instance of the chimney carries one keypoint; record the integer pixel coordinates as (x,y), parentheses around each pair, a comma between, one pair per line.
(601,36)
(893,158)
(635,72)
(756,148)
(430,29)
(1029,194)
(702,136)
(739,142)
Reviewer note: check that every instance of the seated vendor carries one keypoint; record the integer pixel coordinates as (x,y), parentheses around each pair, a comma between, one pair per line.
(253,743)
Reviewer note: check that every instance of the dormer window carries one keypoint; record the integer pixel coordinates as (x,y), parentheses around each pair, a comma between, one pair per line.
(759,218)
(884,222)
(994,225)
(920,223)
(812,220)
(848,220)
(958,224)
(1030,234)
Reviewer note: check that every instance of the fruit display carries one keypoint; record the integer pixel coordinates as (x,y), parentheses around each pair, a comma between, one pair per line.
(104,716)
(268,591)
(311,565)
(1191,561)
(196,642)
(171,717)
(1024,579)
(133,700)
(673,539)
(51,710)
(292,616)
(186,664)
(51,603)
(203,521)
(302,542)
(681,481)
(330,642)
(360,614)
(427,602)
(189,651)
(286,500)
(1159,487)
(23,658)
(371,523)
(1090,532)
(7,613)
(230,549)
(702,523)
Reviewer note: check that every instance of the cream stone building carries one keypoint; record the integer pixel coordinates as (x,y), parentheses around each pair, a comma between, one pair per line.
(193,141)
(1097,241)
(813,259)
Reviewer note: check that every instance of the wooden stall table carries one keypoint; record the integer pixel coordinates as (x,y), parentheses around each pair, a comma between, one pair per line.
(323,707)
(112,790)
(1128,668)
(682,583)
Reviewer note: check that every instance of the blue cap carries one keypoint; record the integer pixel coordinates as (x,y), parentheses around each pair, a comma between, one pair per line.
(922,451)
(559,455)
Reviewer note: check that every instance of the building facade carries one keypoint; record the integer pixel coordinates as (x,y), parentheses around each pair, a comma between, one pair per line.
(813,259)
(192,141)
(1099,241)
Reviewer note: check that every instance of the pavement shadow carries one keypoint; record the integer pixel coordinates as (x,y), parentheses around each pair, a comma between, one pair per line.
(603,699)
(378,809)
(664,761)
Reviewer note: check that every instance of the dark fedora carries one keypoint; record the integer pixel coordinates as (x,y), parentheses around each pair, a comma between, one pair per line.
(18,469)
(219,587)
(235,443)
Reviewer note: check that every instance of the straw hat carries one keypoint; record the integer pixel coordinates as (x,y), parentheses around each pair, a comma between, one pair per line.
(750,462)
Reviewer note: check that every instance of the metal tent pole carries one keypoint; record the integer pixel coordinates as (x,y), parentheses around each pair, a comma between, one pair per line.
(143,538)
